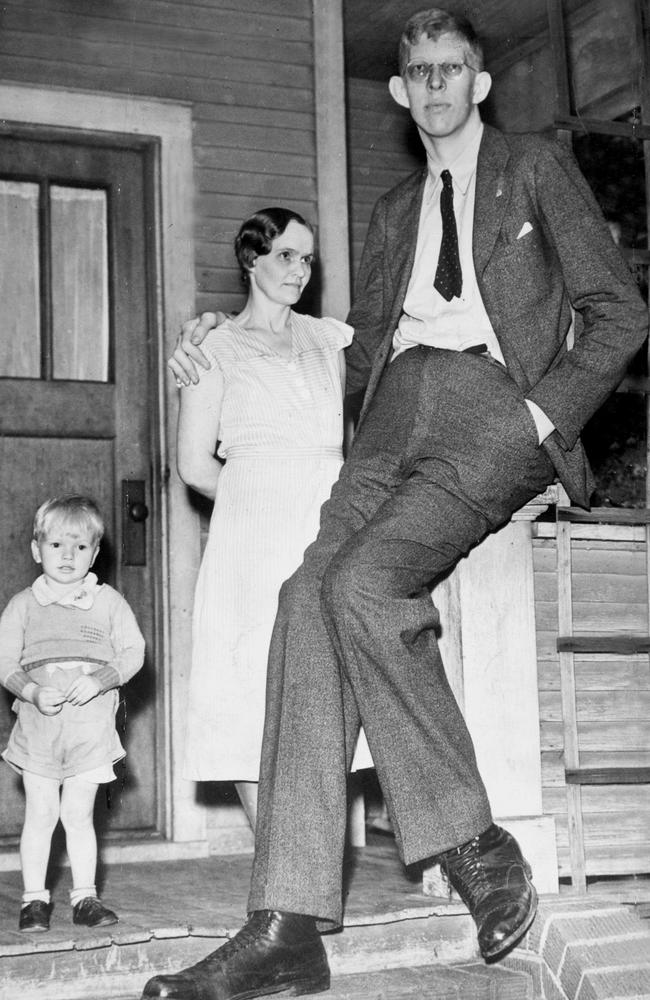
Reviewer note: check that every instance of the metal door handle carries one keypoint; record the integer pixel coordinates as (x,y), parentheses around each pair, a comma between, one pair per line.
(138,512)
(134,518)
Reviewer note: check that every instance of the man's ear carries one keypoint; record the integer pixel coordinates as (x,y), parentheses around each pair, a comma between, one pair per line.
(35,551)
(398,92)
(482,85)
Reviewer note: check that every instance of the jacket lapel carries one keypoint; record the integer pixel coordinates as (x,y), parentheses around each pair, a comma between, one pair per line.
(492,196)
(404,218)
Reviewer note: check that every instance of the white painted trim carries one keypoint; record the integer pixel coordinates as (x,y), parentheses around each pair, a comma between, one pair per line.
(331,148)
(170,124)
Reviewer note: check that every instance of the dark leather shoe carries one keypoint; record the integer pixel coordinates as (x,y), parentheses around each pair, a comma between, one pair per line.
(91,912)
(493,879)
(35,917)
(274,952)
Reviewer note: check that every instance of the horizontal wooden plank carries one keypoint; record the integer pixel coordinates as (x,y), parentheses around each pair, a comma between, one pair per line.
(628,674)
(608,776)
(267,20)
(131,80)
(207,301)
(235,68)
(268,138)
(604,584)
(598,735)
(627,860)
(594,532)
(553,763)
(227,212)
(211,114)
(276,189)
(207,37)
(604,515)
(625,559)
(596,618)
(211,163)
(220,281)
(601,804)
(619,539)
(600,643)
(619,706)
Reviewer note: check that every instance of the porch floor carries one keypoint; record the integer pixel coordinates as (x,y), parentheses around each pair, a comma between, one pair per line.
(207,895)
(170,909)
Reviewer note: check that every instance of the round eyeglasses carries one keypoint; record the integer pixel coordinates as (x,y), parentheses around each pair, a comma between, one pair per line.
(420,72)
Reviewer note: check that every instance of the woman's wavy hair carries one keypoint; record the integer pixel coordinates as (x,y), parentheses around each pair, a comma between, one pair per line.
(257,233)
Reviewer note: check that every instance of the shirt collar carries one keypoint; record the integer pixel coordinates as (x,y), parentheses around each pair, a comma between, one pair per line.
(82,595)
(462,168)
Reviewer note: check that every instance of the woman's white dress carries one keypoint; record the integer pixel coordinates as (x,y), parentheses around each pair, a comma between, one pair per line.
(280,436)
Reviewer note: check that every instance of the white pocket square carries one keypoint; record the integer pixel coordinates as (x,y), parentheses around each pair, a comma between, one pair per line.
(526,228)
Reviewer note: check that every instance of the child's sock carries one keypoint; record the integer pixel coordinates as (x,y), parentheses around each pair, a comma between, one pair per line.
(76,895)
(31,897)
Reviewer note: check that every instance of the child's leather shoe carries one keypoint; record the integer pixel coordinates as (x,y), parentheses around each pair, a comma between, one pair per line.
(35,917)
(91,912)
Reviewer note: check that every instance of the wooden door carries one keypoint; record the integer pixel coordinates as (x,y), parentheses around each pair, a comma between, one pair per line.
(77,402)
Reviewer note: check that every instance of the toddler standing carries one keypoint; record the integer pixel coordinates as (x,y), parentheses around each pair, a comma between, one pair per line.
(67,643)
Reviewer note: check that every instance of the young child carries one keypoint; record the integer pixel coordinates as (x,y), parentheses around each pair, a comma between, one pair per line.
(67,643)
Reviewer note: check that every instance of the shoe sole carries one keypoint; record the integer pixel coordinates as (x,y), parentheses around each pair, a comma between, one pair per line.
(495,953)
(100,923)
(40,929)
(296,989)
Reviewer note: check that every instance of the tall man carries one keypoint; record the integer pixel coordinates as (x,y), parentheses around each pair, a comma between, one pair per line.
(471,273)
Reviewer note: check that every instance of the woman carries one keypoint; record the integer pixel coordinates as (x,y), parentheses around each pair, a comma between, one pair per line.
(271,408)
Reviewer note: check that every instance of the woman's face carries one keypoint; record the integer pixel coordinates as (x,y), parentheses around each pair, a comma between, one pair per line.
(282,274)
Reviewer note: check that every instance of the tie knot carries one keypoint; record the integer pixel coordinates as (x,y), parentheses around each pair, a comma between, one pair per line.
(445,177)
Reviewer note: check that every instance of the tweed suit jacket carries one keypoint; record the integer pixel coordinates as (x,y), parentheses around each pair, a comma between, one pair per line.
(543,255)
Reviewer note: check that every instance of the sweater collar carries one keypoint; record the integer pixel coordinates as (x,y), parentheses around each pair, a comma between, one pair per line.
(82,595)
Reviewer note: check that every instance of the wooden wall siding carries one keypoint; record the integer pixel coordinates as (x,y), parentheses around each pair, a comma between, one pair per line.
(610,594)
(383,149)
(245,66)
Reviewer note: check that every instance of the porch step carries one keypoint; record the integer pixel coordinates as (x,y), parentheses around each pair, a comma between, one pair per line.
(117,961)
(430,982)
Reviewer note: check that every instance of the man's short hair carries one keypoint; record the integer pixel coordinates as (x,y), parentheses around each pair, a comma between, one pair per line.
(72,511)
(433,23)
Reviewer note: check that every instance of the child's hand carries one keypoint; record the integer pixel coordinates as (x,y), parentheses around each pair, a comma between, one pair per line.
(82,690)
(48,700)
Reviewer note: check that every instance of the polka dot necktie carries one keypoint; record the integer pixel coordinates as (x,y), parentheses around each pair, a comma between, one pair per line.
(449,278)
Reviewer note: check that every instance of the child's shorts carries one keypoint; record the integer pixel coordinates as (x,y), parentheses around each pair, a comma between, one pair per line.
(80,739)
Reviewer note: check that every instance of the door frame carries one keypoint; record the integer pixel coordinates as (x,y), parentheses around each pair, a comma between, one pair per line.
(169,125)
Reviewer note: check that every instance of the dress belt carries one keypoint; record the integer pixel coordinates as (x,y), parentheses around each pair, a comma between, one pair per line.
(245,451)
(479,350)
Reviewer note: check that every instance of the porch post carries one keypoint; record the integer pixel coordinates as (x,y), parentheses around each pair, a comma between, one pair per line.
(331,150)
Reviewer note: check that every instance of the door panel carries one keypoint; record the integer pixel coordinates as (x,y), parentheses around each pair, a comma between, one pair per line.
(87,423)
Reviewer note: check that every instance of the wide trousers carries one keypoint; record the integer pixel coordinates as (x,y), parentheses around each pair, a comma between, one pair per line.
(446,452)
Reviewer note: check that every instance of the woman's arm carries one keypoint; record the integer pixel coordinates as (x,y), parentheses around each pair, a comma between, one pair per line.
(198,428)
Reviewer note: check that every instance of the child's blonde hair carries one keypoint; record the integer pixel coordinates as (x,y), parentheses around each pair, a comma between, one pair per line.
(77,511)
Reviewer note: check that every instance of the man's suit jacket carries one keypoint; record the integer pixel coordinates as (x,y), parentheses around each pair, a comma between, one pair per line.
(542,253)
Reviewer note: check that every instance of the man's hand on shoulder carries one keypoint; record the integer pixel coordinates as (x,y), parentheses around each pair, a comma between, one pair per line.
(188,359)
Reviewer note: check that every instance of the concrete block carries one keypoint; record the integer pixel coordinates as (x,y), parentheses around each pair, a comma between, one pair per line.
(584,928)
(627,954)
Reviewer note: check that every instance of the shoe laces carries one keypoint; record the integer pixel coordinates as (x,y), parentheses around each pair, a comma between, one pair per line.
(465,870)
(249,934)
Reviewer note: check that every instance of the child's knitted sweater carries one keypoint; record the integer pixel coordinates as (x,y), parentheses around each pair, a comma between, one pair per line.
(91,623)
